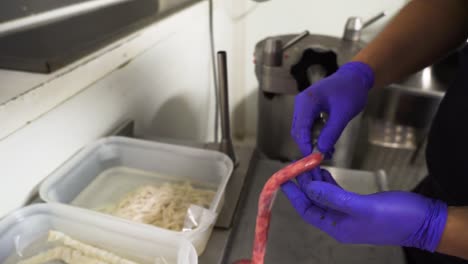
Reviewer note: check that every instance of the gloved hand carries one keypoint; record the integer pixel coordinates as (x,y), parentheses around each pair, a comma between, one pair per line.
(385,218)
(317,174)
(342,95)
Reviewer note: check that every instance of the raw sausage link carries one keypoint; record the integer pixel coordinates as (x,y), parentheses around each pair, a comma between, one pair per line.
(267,198)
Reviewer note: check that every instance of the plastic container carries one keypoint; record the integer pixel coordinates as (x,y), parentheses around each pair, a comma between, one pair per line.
(108,156)
(24,232)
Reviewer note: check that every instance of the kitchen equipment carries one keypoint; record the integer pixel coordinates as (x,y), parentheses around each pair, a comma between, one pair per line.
(205,168)
(226,140)
(354,26)
(393,148)
(24,227)
(411,102)
(286,65)
(398,119)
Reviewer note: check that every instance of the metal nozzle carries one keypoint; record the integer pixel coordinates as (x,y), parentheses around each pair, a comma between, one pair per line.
(273,52)
(226,140)
(354,26)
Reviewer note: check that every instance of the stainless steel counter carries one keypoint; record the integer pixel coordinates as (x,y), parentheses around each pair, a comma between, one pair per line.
(291,240)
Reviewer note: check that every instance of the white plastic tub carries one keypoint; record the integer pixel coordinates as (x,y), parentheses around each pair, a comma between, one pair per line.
(205,168)
(25,231)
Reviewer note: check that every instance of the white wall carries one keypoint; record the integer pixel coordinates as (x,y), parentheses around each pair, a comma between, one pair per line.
(166,87)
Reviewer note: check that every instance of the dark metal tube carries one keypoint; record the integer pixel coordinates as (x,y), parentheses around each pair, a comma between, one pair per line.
(373,19)
(226,140)
(295,40)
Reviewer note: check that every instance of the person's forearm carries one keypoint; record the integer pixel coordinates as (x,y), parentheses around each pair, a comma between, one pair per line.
(454,240)
(421,33)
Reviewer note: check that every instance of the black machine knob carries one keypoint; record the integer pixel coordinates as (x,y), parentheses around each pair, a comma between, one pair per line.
(314,63)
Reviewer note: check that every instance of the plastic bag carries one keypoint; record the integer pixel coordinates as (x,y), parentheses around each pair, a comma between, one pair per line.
(197,216)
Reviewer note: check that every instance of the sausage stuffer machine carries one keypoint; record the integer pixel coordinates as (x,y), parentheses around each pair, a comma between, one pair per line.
(288,64)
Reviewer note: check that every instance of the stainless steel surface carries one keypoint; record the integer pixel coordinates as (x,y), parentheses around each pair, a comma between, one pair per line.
(62,13)
(273,52)
(278,80)
(399,118)
(354,26)
(352,31)
(291,240)
(414,100)
(312,58)
(217,247)
(226,140)
(395,149)
(125,129)
(423,83)
(235,186)
(402,173)
(274,138)
(382,180)
(296,39)
(404,105)
(389,135)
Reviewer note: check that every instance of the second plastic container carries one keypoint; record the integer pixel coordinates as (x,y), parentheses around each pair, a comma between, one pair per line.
(23,234)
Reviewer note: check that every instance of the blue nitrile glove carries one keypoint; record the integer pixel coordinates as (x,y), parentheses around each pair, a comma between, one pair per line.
(317,174)
(384,218)
(342,95)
